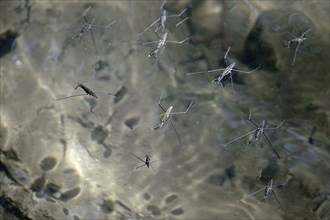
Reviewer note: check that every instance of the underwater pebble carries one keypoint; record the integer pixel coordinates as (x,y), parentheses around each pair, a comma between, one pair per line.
(48,163)
(230,172)
(146,196)
(99,134)
(7,42)
(76,217)
(178,211)
(131,122)
(107,153)
(107,206)
(38,184)
(120,94)
(69,171)
(265,56)
(52,188)
(70,194)
(11,153)
(154,210)
(19,174)
(51,200)
(65,211)
(170,198)
(100,65)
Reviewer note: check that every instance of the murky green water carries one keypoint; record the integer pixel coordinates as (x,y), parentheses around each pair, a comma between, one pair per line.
(60,161)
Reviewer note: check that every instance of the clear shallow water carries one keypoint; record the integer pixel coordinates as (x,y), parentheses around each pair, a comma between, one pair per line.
(75,165)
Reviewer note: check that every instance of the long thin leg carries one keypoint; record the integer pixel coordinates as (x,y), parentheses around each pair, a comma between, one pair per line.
(179,23)
(283,184)
(138,158)
(182,113)
(94,41)
(179,42)
(105,26)
(177,15)
(69,97)
(295,54)
(300,40)
(250,120)
(86,11)
(65,29)
(173,113)
(238,138)
(153,169)
(171,60)
(176,133)
(255,192)
(162,6)
(167,16)
(278,201)
(156,42)
(152,24)
(270,145)
(86,21)
(150,42)
(98,26)
(152,162)
(247,72)
(209,71)
(226,54)
(141,166)
(91,111)
(91,107)
(107,93)
(275,128)
(146,121)
(159,101)
(232,84)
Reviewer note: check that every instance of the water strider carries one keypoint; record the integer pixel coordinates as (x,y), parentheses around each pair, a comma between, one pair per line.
(88,27)
(256,133)
(299,41)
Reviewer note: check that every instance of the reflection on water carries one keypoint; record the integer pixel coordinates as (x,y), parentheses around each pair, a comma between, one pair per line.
(64,162)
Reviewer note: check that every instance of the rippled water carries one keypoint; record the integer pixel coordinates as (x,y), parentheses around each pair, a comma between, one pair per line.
(59,161)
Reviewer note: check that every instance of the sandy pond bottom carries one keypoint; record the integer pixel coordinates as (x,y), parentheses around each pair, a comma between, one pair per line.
(58,161)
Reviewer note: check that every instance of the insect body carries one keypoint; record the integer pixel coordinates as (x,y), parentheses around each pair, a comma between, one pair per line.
(88,26)
(258,131)
(268,190)
(164,119)
(224,73)
(161,43)
(86,89)
(147,162)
